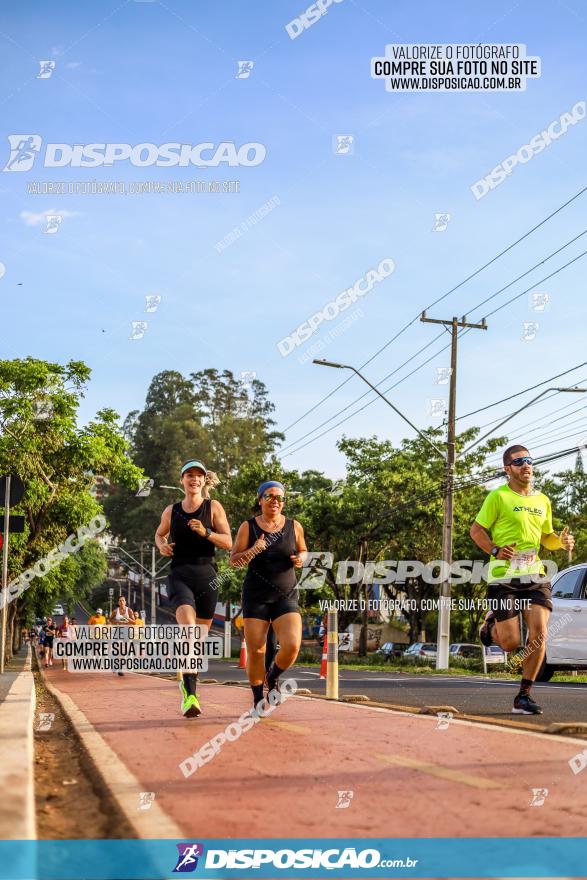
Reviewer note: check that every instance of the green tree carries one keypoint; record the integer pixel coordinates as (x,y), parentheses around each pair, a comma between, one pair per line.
(209,415)
(57,461)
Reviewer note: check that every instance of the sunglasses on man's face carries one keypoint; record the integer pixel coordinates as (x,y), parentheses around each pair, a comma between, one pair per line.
(268,497)
(518,462)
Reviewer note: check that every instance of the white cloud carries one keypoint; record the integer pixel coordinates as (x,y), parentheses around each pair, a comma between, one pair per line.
(31,219)
(73,64)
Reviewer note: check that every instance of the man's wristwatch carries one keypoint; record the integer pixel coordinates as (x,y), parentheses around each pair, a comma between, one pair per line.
(208,532)
(495,550)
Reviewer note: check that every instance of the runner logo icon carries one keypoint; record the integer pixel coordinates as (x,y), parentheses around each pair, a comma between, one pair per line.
(23,151)
(187,860)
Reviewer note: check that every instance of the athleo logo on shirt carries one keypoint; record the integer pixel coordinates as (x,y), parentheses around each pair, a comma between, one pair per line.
(537,511)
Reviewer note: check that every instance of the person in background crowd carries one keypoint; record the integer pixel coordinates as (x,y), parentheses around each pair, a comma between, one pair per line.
(63,633)
(49,631)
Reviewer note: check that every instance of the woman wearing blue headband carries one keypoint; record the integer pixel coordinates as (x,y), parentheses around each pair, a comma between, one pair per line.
(196,526)
(272,546)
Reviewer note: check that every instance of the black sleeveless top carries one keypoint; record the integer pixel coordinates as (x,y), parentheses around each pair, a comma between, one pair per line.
(271,574)
(189,546)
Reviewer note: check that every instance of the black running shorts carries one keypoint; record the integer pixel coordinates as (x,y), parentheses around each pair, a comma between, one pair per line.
(194,584)
(262,610)
(508,599)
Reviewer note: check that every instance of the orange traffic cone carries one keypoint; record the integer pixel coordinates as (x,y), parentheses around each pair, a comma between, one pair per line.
(324,655)
(242,660)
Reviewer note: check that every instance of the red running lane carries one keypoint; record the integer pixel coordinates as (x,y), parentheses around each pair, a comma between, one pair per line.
(282,777)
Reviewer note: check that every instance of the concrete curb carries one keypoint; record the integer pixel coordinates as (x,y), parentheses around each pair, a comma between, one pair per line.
(121,784)
(17,782)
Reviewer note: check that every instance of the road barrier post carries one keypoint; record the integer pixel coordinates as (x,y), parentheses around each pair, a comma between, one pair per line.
(332,656)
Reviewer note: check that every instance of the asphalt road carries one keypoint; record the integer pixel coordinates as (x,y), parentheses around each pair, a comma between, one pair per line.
(473,695)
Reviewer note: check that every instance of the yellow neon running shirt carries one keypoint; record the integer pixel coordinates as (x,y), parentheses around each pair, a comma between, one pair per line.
(511,518)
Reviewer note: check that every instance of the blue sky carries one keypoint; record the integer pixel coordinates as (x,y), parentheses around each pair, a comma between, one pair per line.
(139,72)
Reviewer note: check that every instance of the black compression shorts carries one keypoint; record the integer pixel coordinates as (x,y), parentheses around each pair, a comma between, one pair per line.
(507,600)
(194,584)
(262,610)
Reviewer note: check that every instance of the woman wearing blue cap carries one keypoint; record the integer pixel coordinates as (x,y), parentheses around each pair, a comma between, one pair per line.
(272,546)
(196,526)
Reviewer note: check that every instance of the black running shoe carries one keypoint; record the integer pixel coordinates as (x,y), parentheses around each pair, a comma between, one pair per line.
(272,684)
(486,629)
(525,705)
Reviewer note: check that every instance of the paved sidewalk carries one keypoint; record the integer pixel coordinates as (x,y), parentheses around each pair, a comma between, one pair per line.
(283,777)
(17,708)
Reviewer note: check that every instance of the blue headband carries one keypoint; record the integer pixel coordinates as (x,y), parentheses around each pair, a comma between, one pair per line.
(269,484)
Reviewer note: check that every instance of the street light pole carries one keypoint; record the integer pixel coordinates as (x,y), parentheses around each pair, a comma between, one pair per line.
(324,363)
(574,390)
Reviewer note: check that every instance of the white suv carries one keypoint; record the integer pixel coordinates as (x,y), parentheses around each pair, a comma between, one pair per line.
(566,644)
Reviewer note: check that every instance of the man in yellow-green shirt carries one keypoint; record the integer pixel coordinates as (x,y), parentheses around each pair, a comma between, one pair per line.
(512,524)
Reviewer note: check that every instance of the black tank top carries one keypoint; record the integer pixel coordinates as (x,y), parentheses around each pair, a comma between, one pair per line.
(271,574)
(189,546)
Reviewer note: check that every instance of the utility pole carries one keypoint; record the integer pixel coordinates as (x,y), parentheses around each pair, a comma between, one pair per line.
(443,637)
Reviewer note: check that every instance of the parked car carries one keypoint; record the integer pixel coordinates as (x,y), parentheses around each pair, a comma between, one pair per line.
(421,650)
(466,650)
(392,649)
(494,654)
(566,642)
(58,609)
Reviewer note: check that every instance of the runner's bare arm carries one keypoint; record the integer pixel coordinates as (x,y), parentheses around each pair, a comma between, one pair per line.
(162,533)
(241,554)
(220,536)
(301,550)
(481,537)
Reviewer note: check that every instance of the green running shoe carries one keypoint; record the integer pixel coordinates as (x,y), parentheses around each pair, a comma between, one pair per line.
(190,705)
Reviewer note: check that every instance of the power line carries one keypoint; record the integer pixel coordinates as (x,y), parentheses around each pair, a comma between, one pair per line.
(350,415)
(543,421)
(535,403)
(519,393)
(539,444)
(427,346)
(440,299)
(537,440)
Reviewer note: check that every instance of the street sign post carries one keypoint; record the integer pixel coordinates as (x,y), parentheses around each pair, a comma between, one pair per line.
(16,490)
(15,523)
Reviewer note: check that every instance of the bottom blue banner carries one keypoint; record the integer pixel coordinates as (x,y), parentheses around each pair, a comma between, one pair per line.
(293,857)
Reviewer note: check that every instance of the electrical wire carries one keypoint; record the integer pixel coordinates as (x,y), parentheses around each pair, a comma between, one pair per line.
(436,301)
(386,390)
